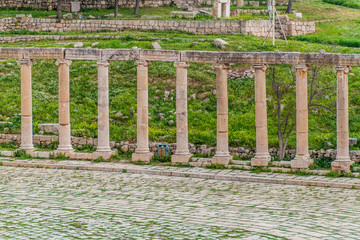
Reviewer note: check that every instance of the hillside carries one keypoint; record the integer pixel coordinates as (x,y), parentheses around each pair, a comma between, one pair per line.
(344,38)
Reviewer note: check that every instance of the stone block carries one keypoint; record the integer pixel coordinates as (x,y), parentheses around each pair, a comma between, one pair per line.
(142,157)
(66,7)
(180,158)
(49,128)
(222,160)
(75,6)
(341,165)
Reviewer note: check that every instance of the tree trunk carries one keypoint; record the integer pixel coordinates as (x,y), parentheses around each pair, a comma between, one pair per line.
(289,7)
(116,8)
(59,15)
(136,11)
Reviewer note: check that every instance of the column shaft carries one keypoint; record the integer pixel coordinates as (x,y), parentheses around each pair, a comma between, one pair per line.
(64,106)
(302,159)
(26,105)
(262,156)
(343,161)
(182,153)
(103,107)
(142,151)
(222,155)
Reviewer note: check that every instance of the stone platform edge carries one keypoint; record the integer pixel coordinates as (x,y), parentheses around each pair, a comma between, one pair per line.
(212,174)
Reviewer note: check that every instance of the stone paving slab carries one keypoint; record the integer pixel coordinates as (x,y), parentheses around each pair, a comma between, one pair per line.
(225,174)
(39,203)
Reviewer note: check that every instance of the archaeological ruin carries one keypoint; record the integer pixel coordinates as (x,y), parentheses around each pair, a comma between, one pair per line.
(182,59)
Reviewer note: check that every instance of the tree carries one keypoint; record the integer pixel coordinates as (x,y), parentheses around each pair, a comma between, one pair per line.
(59,3)
(137,5)
(282,92)
(116,8)
(289,7)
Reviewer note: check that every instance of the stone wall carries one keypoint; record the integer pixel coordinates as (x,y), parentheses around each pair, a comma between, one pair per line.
(51,4)
(45,140)
(257,28)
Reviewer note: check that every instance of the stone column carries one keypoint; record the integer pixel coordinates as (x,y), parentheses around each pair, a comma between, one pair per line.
(240,3)
(64,106)
(182,153)
(262,156)
(26,105)
(222,155)
(302,159)
(142,151)
(103,147)
(343,161)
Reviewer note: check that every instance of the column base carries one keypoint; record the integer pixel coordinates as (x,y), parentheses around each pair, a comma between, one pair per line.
(261,160)
(301,162)
(104,154)
(103,149)
(180,158)
(64,149)
(142,157)
(27,148)
(341,165)
(222,160)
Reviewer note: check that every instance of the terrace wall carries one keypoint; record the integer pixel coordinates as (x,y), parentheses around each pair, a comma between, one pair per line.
(51,4)
(257,28)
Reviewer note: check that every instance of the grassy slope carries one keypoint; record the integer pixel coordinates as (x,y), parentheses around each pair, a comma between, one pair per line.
(202,110)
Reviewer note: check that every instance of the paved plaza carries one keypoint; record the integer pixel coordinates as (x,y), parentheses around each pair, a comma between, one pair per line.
(38,203)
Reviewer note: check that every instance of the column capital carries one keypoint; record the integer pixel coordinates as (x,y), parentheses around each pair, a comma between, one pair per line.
(63,61)
(25,61)
(142,63)
(181,64)
(301,67)
(345,69)
(103,63)
(224,66)
(262,67)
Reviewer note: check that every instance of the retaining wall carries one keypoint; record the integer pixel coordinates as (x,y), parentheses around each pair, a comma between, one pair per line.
(203,149)
(257,28)
(51,4)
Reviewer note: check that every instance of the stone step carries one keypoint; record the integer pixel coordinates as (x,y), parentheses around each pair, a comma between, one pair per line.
(245,167)
(286,164)
(280,169)
(239,162)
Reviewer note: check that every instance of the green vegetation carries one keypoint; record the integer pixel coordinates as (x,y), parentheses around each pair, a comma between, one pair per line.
(346,3)
(202,109)
(337,36)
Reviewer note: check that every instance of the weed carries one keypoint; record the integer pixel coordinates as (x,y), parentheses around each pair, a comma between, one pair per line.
(22,154)
(216,166)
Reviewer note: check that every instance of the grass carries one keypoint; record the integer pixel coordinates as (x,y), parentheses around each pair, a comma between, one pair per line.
(346,3)
(202,114)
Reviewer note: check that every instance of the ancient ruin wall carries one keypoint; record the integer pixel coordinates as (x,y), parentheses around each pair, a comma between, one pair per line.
(51,4)
(257,28)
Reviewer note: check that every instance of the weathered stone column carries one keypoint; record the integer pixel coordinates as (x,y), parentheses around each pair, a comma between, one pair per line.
(26,105)
(142,151)
(222,155)
(103,109)
(182,153)
(262,156)
(343,161)
(64,106)
(302,159)
(240,3)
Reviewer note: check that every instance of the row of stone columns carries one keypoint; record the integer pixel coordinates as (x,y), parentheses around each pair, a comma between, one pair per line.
(65,147)
(182,154)
(302,159)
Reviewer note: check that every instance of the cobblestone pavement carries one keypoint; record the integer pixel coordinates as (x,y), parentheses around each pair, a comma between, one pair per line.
(72,204)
